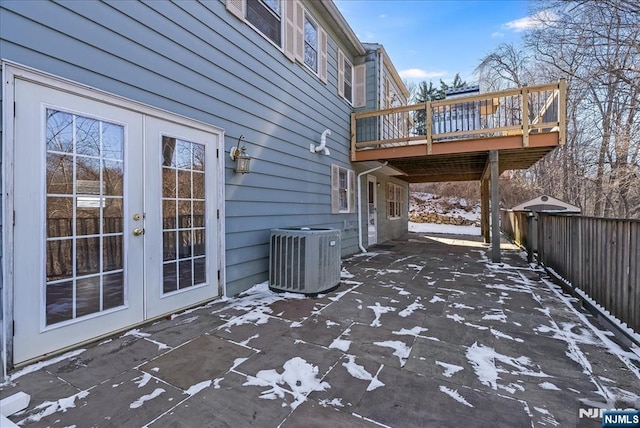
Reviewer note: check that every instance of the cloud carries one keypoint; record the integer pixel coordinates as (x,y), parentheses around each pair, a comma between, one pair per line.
(537,20)
(417,73)
(497,34)
(383,16)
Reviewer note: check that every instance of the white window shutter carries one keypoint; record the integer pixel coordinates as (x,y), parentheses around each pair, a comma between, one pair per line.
(340,73)
(352,191)
(236,7)
(360,74)
(323,55)
(299,31)
(290,29)
(335,189)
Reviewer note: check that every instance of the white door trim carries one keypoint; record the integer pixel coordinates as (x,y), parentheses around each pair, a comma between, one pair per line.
(12,71)
(371,179)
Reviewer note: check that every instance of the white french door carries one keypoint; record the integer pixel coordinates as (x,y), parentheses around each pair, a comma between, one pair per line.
(180,217)
(113,218)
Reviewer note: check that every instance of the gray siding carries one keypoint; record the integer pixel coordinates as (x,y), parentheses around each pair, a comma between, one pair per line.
(2,326)
(373,83)
(198,60)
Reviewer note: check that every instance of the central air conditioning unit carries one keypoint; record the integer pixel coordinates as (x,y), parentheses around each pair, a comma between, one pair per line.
(304,260)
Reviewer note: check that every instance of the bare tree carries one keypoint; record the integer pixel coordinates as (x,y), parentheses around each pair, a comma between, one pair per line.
(595,45)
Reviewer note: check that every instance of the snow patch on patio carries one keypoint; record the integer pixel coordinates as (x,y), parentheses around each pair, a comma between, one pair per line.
(457,318)
(336,402)
(401,350)
(50,407)
(549,386)
(449,369)
(378,310)
(300,377)
(462,306)
(487,364)
(194,389)
(341,344)
(547,417)
(453,393)
(359,372)
(142,380)
(140,401)
(415,331)
(411,308)
(500,335)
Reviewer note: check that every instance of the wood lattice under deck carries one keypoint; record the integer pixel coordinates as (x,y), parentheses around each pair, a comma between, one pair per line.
(450,140)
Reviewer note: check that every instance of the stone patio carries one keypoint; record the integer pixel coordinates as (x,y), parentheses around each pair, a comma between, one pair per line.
(422,331)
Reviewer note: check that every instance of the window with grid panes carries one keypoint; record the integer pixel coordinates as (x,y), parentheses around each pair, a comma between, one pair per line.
(394,201)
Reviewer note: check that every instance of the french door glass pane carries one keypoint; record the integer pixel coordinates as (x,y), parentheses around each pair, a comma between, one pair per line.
(183,214)
(84,247)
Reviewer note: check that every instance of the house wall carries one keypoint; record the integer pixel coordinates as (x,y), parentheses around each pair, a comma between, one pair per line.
(198,60)
(2,290)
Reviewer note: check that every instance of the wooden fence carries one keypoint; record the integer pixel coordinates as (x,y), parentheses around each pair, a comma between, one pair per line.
(518,225)
(599,256)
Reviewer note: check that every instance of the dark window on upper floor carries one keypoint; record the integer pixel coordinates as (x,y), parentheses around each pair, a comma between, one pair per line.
(266,16)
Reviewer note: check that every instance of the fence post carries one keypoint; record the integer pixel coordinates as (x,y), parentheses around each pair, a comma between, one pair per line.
(530,232)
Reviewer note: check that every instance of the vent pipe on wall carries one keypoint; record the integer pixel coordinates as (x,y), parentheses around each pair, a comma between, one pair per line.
(323,143)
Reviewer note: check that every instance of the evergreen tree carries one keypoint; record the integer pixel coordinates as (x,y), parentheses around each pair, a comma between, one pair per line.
(427,91)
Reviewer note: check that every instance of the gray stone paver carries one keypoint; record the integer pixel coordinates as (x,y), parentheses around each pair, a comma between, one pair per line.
(468,343)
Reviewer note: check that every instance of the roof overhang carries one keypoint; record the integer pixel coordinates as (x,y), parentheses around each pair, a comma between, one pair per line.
(341,25)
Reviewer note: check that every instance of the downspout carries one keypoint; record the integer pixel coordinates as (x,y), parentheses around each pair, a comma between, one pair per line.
(360,244)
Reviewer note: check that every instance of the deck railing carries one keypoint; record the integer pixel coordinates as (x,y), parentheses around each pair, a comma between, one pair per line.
(522,111)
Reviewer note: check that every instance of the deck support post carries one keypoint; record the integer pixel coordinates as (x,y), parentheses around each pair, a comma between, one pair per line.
(484,209)
(495,207)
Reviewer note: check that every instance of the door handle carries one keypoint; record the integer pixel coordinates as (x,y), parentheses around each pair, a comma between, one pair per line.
(137,231)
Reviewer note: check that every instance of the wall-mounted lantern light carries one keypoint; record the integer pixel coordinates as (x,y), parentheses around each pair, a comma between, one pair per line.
(239,154)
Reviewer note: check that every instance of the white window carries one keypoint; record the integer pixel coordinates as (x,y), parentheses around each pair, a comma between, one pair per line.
(348,80)
(288,25)
(345,77)
(310,43)
(394,201)
(342,190)
(266,17)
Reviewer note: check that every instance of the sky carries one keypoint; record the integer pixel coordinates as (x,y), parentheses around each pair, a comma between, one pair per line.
(435,39)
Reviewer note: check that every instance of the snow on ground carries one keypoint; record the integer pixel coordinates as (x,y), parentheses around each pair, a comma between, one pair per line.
(454,207)
(50,407)
(453,393)
(449,369)
(359,372)
(443,229)
(140,401)
(300,377)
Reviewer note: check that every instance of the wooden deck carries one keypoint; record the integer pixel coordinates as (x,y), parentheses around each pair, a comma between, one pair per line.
(450,140)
